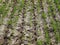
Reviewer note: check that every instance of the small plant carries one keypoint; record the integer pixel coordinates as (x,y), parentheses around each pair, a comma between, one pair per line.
(0,1)
(39,42)
(55,28)
(44,15)
(57,2)
(47,35)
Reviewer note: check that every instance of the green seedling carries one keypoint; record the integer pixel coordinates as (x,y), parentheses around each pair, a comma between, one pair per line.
(39,42)
(0,1)
(47,35)
(15,19)
(55,28)
(44,15)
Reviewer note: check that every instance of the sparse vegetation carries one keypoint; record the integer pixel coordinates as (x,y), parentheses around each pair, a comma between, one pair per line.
(29,22)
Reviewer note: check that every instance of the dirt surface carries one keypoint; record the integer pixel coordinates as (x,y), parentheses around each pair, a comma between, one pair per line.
(29,22)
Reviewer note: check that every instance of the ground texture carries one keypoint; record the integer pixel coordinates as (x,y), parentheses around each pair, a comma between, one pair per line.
(29,22)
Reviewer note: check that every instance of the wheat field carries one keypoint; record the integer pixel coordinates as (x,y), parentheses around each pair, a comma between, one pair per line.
(29,22)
